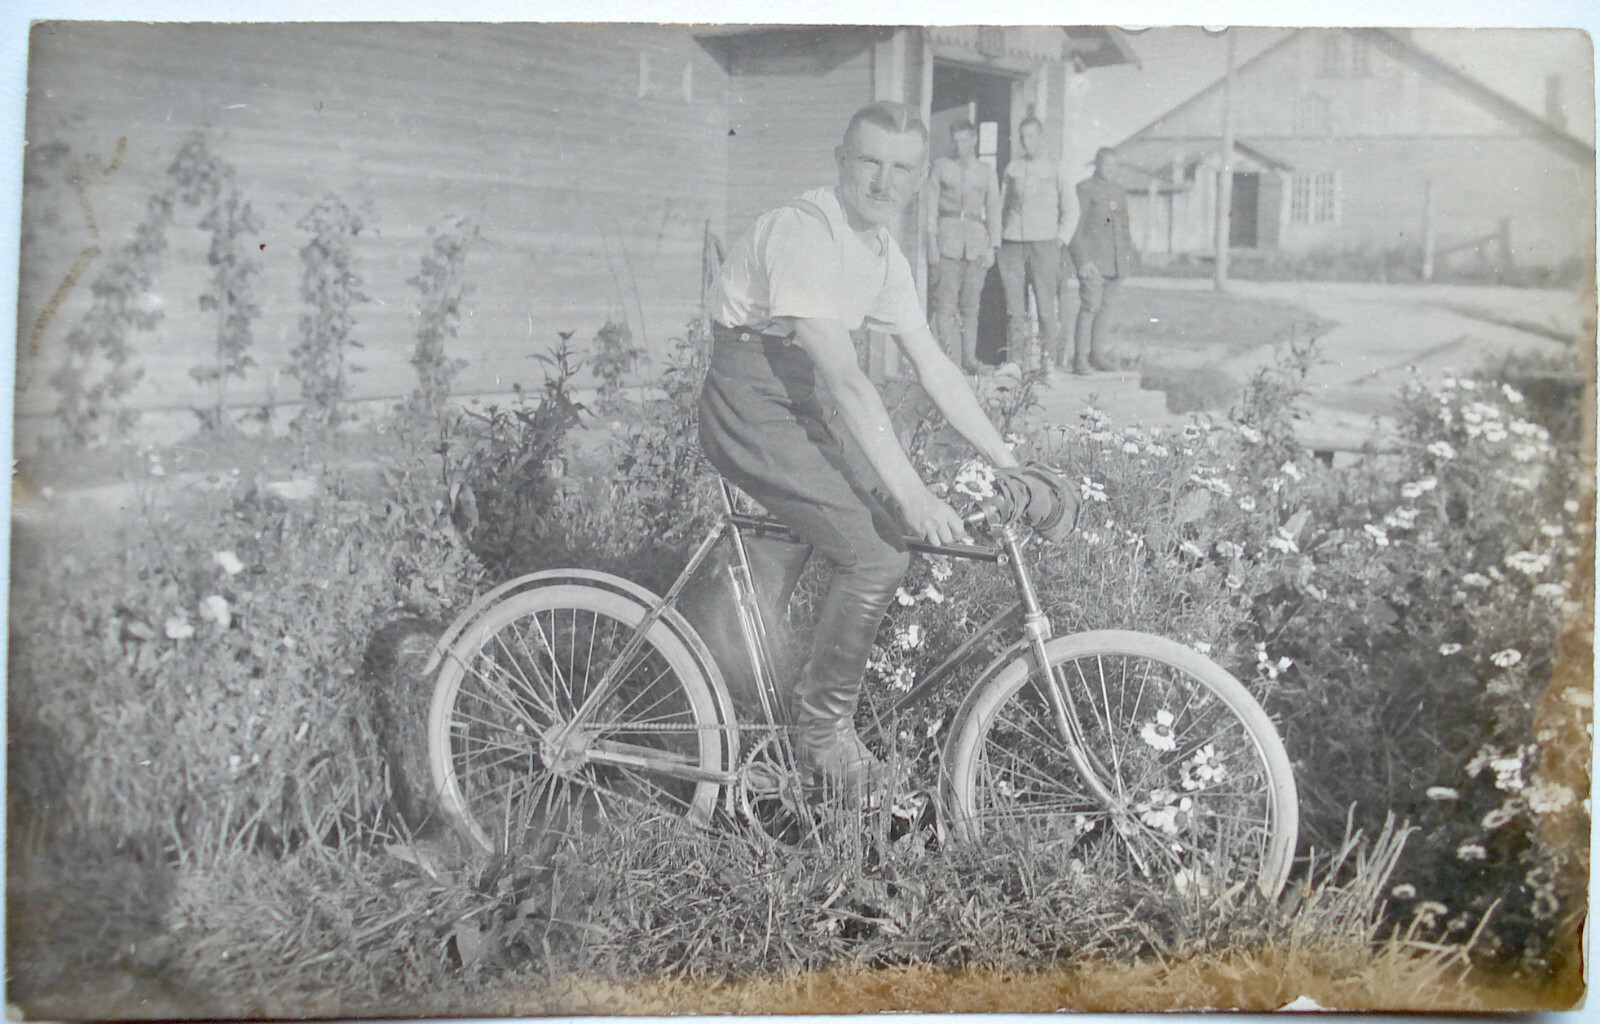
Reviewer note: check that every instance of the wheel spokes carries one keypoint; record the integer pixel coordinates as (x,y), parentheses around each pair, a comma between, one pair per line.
(520,762)
(1189,788)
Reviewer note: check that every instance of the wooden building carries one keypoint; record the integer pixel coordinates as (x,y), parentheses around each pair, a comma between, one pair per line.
(1351,140)
(597,160)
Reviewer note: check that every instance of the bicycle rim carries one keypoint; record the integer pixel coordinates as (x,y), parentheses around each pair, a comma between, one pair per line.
(1200,797)
(509,765)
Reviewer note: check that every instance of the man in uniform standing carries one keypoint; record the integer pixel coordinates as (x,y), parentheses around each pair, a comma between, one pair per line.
(787,414)
(1035,200)
(1102,251)
(964,223)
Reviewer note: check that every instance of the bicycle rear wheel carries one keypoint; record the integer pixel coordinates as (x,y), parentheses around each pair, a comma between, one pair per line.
(509,764)
(1194,793)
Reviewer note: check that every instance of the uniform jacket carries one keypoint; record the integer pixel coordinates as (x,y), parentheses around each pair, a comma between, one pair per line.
(1103,237)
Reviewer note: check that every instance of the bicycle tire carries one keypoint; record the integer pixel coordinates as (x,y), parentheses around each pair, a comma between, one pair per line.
(1204,801)
(504,772)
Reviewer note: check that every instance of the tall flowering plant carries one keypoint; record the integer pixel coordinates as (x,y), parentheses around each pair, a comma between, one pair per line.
(1400,618)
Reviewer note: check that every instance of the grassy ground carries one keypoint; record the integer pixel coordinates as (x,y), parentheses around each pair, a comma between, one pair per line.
(1170,325)
(1180,339)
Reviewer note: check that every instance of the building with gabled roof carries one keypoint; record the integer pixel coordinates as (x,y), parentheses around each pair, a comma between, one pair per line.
(1360,141)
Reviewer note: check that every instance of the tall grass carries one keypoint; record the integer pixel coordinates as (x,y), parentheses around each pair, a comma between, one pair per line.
(229,772)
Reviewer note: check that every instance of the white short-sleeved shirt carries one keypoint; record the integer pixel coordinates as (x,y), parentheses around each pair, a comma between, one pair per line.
(794,263)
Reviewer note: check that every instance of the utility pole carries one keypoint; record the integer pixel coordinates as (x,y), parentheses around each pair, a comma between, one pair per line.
(1225,175)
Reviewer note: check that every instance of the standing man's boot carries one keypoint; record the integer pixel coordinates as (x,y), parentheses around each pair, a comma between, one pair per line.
(1081,343)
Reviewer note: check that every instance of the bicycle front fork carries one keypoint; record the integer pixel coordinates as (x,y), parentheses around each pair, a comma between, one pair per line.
(1037,629)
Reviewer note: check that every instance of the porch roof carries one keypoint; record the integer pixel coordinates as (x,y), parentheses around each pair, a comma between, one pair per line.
(1167,180)
(787,49)
(818,49)
(1083,46)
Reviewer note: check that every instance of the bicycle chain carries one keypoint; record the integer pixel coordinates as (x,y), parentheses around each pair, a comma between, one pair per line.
(616,727)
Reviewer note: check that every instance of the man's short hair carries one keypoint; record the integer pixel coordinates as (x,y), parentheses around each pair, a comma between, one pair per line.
(890,116)
(1103,152)
(963,126)
(1030,120)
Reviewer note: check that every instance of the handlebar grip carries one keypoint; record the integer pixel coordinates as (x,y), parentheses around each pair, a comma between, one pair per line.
(1033,495)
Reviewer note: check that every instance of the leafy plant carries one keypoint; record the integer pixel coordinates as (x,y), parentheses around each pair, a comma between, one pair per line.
(331,286)
(662,486)
(615,356)
(442,286)
(204,180)
(501,466)
(99,368)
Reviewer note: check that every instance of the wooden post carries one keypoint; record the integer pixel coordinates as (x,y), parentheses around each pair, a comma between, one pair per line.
(919,260)
(710,262)
(1428,229)
(888,83)
(1225,175)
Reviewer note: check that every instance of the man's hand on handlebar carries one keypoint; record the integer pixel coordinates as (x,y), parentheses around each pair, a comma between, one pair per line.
(932,520)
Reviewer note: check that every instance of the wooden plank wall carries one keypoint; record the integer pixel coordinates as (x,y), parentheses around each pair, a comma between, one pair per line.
(592,157)
(783,129)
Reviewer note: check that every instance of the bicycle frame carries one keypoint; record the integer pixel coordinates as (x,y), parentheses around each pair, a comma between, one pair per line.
(755,634)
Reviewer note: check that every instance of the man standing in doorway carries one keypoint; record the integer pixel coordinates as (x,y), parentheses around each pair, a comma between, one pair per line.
(964,222)
(1035,200)
(787,415)
(1102,251)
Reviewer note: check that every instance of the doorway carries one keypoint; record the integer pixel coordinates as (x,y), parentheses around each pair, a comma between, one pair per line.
(962,93)
(1242,228)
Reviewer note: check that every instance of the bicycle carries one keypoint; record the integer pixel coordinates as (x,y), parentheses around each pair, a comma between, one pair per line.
(566,696)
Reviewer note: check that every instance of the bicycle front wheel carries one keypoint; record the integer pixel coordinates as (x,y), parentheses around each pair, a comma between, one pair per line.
(509,758)
(1176,777)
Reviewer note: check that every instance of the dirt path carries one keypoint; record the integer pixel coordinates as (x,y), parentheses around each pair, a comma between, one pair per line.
(1379,333)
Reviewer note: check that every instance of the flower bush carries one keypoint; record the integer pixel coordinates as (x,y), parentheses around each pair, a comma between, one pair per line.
(201,671)
(1393,616)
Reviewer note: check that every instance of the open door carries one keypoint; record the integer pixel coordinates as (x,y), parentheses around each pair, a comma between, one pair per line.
(962,93)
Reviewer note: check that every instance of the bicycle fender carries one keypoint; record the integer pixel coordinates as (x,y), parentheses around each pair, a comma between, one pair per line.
(1110,638)
(671,618)
(1019,649)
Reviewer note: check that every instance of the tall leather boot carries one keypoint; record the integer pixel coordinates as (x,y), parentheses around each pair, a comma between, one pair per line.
(1081,341)
(969,345)
(1099,343)
(824,699)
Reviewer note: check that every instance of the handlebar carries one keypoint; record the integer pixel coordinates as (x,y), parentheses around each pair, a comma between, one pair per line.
(1032,495)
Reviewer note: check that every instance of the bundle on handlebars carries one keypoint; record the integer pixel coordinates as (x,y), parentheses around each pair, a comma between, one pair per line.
(1033,495)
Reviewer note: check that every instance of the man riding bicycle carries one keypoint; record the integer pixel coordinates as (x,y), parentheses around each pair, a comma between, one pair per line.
(788,416)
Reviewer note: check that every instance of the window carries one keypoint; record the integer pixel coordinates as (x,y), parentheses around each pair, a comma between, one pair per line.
(1344,56)
(1360,66)
(1332,55)
(1314,198)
